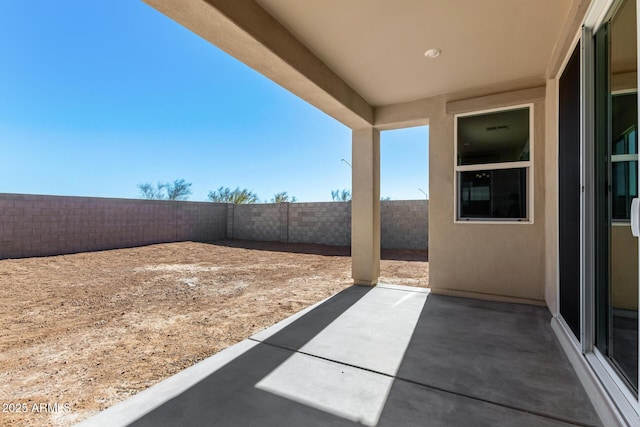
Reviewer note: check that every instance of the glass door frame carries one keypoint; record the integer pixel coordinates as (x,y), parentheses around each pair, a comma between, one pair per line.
(599,13)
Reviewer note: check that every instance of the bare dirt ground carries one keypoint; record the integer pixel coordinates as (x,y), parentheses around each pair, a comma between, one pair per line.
(81,332)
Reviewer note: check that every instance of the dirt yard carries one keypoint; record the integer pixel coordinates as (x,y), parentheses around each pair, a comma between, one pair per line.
(81,332)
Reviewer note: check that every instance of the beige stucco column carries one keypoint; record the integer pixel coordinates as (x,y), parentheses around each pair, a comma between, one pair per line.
(365,206)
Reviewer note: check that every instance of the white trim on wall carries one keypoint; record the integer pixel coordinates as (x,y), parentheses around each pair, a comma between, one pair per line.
(599,11)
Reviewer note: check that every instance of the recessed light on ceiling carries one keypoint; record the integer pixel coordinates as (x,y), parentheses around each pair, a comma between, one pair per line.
(432,53)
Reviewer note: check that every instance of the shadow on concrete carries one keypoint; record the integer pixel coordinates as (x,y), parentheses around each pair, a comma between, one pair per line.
(468,362)
(421,255)
(491,362)
(228,397)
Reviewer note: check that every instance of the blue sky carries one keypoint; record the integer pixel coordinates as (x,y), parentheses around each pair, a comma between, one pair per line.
(96,97)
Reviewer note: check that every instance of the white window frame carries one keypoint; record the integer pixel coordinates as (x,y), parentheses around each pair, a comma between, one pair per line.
(528,165)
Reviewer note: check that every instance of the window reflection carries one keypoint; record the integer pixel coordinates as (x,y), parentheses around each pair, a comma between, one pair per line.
(493,194)
(497,137)
(624,158)
(619,320)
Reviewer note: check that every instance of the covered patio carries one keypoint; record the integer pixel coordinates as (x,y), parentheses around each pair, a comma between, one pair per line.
(527,270)
(378,356)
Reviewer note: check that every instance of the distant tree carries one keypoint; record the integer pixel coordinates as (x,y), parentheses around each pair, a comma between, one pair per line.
(384,199)
(148,191)
(282,198)
(341,195)
(176,190)
(237,196)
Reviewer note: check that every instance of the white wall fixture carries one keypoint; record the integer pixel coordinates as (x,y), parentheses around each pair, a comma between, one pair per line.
(432,53)
(635,217)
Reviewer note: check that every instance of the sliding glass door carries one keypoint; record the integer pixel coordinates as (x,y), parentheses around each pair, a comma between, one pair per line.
(616,184)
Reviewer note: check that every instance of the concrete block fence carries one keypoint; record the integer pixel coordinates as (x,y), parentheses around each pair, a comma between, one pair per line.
(328,223)
(404,223)
(50,225)
(32,225)
(264,222)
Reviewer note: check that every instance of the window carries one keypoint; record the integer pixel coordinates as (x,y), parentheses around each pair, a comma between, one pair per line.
(494,165)
(624,154)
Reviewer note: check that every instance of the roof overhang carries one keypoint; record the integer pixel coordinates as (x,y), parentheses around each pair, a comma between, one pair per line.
(362,61)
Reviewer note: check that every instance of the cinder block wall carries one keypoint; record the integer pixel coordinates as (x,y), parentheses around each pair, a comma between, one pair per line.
(325,223)
(404,224)
(33,225)
(259,222)
(50,225)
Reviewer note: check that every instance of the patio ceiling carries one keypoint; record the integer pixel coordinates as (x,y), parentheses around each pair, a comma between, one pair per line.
(378,46)
(350,57)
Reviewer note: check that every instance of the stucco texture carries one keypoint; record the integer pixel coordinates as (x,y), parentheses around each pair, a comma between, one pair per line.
(494,260)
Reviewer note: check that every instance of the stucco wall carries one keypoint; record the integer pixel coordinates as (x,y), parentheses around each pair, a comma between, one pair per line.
(495,260)
(33,225)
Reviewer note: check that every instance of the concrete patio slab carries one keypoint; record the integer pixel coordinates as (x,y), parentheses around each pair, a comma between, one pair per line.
(383,356)
(128,411)
(502,353)
(374,333)
(351,393)
(414,405)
